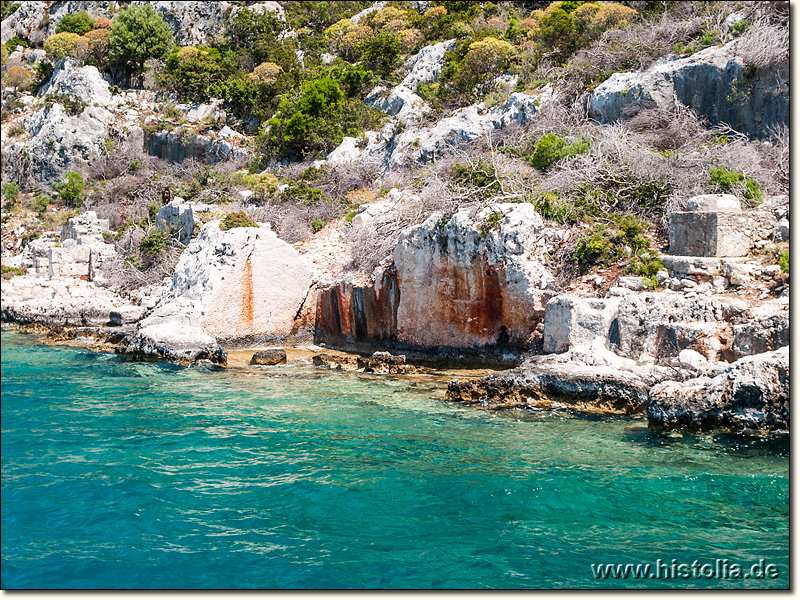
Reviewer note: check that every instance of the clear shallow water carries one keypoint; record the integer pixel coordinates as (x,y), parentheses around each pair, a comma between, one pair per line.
(136,475)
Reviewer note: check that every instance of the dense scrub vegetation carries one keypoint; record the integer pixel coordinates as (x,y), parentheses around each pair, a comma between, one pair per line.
(298,87)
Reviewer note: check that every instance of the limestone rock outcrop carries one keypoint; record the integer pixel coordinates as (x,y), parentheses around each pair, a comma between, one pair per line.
(474,281)
(183,217)
(715,83)
(655,327)
(752,393)
(238,287)
(79,83)
(29,19)
(398,145)
(176,147)
(195,22)
(60,143)
(402,101)
(539,384)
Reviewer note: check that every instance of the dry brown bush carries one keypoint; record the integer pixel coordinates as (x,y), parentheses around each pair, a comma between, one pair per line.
(764,45)
(121,273)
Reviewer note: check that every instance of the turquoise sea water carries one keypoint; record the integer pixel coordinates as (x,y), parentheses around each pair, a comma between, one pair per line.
(141,475)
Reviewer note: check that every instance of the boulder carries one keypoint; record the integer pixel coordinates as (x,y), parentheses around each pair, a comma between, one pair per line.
(385,363)
(400,102)
(240,287)
(570,321)
(84,84)
(752,393)
(714,82)
(198,112)
(347,152)
(691,359)
(273,356)
(335,361)
(182,217)
(762,334)
(472,281)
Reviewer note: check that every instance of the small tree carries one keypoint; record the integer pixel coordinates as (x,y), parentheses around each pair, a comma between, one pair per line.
(19,77)
(61,45)
(71,191)
(137,35)
(79,23)
(380,53)
(266,73)
(98,42)
(192,69)
(10,193)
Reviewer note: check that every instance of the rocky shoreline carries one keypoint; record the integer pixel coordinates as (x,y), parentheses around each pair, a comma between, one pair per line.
(603,279)
(675,355)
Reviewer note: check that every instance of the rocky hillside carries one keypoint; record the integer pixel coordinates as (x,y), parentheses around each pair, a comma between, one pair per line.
(594,181)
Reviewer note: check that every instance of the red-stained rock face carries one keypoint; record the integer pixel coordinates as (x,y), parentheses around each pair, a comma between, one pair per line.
(448,287)
(348,313)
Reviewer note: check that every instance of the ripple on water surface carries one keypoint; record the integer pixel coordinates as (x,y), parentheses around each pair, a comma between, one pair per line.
(119,474)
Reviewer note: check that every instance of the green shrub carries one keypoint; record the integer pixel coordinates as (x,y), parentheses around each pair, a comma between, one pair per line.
(349,217)
(65,44)
(71,191)
(15,42)
(301,192)
(152,211)
(40,203)
(491,222)
(308,124)
(558,32)
(192,69)
(10,192)
(79,22)
(317,224)
(9,272)
(598,247)
(380,53)
(155,243)
(237,219)
(481,177)
(137,35)
(783,261)
(8,8)
(552,148)
(552,207)
(624,240)
(727,181)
